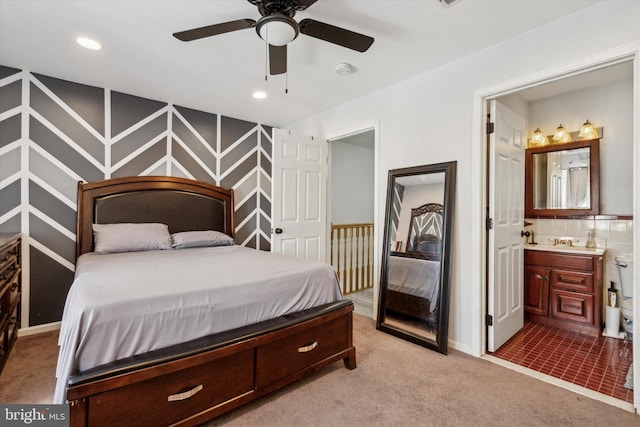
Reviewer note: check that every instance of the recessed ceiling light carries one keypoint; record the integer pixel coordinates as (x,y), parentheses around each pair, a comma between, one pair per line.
(259,95)
(88,43)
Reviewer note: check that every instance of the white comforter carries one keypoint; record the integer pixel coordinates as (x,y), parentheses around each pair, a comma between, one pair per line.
(129,303)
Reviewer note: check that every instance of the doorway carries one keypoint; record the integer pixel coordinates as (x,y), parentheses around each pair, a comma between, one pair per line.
(351,213)
(545,96)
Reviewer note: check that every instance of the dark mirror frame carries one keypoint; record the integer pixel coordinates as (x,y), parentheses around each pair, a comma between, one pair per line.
(594,176)
(440,344)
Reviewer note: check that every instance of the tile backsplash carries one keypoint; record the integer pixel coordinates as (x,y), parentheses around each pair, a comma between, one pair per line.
(616,236)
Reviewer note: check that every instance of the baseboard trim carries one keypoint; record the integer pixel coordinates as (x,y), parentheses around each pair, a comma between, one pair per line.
(32,330)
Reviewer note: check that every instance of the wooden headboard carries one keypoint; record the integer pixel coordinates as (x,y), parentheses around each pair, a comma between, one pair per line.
(182,204)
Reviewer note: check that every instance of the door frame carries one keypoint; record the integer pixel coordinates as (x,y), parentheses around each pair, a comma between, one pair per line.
(332,137)
(628,52)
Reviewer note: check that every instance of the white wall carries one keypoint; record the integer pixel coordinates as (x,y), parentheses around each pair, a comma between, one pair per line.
(352,179)
(428,119)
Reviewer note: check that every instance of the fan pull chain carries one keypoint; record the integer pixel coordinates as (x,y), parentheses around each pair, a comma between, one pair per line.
(286,82)
(266,56)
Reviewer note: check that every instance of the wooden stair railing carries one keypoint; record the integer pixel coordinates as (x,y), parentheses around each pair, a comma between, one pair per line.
(352,255)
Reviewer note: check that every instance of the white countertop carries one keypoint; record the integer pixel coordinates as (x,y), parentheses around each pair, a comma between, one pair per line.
(578,250)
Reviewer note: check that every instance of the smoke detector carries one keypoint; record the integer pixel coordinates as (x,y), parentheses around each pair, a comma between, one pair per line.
(343,69)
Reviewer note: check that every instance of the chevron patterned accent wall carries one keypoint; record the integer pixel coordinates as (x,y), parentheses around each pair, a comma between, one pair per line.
(54,133)
(398,193)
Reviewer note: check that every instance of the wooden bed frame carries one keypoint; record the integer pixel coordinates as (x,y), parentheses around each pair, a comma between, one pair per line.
(190,383)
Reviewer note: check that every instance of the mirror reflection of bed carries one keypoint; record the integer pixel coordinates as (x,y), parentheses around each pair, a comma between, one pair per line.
(414,272)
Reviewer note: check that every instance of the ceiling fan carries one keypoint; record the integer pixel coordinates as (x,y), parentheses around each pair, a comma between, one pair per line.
(277,28)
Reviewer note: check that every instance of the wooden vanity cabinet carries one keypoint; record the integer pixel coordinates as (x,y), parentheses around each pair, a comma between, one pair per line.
(536,290)
(10,293)
(564,290)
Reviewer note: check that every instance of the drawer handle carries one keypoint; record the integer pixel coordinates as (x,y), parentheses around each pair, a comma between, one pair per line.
(185,395)
(572,280)
(307,348)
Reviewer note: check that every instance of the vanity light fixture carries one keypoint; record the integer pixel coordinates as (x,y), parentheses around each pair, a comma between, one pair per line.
(588,131)
(561,134)
(538,138)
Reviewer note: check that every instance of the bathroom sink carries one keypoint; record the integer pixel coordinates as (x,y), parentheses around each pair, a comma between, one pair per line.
(565,249)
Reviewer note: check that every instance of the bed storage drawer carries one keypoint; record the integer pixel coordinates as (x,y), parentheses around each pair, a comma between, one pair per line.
(287,355)
(135,390)
(175,396)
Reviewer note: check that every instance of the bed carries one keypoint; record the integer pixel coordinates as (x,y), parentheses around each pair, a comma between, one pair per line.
(177,336)
(414,275)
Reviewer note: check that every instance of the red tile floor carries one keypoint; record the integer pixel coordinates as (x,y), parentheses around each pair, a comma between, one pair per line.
(597,363)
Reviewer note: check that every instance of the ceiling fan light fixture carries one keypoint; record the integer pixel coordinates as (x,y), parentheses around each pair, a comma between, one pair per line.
(277,29)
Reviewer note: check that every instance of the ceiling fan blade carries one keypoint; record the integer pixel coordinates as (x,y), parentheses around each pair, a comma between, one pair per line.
(277,59)
(213,30)
(336,35)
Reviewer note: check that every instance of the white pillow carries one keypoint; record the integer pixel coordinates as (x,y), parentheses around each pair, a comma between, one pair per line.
(129,237)
(198,239)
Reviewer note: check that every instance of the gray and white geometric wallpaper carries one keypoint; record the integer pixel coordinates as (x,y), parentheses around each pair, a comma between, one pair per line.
(54,133)
(396,208)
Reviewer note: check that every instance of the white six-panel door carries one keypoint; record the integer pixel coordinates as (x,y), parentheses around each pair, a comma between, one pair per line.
(506,209)
(299,191)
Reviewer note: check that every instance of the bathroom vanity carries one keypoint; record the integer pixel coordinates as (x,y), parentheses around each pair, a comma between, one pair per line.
(563,287)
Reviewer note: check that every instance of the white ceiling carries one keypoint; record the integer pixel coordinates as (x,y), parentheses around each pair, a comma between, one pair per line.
(219,74)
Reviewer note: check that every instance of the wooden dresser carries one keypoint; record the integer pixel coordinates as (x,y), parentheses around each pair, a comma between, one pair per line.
(564,290)
(10,293)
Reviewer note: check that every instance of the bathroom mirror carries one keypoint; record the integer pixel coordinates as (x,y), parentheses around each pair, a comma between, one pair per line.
(563,180)
(416,256)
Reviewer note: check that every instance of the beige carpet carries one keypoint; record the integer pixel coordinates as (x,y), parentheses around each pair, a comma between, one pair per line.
(396,384)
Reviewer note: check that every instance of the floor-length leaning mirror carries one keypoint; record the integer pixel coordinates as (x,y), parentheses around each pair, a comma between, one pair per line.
(416,255)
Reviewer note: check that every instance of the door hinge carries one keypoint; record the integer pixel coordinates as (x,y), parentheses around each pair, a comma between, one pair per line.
(489,320)
(490,128)
(489,224)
